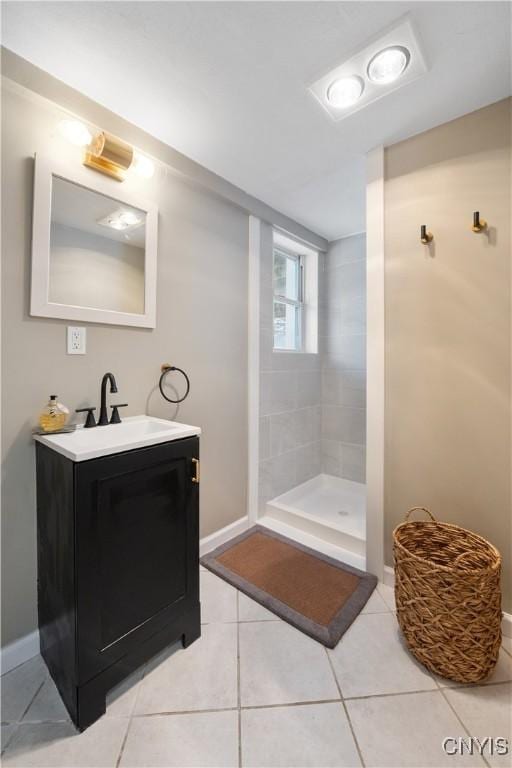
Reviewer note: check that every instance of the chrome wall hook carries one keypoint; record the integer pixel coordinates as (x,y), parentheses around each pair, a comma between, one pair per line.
(426,237)
(478,224)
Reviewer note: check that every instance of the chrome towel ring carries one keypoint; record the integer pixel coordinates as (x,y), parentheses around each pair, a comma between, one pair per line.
(166,368)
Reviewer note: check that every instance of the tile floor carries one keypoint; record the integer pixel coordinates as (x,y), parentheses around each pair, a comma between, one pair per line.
(253,691)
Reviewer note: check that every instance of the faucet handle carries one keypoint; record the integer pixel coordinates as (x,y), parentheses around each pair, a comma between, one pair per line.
(90,420)
(115,418)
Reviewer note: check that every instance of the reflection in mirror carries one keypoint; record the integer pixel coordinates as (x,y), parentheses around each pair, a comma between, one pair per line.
(97,250)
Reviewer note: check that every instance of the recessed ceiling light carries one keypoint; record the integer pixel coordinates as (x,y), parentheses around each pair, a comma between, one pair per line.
(121,220)
(387,65)
(345,91)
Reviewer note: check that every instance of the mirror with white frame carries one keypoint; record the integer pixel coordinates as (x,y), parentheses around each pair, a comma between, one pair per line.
(93,250)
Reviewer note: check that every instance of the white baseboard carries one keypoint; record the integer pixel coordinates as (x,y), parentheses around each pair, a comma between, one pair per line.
(506,622)
(506,625)
(27,647)
(389,576)
(19,651)
(225,534)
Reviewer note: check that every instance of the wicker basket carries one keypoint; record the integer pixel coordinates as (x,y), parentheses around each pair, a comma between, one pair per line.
(447,589)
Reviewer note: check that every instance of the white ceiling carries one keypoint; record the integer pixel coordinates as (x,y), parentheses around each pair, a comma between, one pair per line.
(226,83)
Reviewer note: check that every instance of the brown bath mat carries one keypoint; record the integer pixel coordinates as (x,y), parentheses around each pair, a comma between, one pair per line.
(313,592)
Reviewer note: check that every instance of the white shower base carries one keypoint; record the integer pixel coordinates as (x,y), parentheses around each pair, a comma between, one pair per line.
(330,508)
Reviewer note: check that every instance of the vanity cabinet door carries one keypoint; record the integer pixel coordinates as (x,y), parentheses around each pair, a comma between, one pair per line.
(137,551)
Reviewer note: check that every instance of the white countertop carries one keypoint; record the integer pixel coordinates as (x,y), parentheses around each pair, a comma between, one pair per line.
(133,432)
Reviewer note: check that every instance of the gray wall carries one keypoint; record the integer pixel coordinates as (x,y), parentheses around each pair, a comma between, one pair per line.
(290,386)
(201,326)
(343,345)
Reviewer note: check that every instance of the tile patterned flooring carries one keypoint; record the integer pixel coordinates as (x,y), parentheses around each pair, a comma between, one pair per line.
(255,692)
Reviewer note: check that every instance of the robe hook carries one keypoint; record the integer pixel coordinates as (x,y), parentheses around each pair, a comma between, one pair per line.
(478,224)
(426,237)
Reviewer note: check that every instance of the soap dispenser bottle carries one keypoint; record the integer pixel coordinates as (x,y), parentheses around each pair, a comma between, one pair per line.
(54,416)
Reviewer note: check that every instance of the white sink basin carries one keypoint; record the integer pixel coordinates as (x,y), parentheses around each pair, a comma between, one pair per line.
(133,432)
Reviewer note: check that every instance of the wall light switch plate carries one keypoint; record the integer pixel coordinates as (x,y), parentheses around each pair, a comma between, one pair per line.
(76,340)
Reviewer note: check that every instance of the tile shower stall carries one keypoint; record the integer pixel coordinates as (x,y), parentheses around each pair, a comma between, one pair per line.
(313,406)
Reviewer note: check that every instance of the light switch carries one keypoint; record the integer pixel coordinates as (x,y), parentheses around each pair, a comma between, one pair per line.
(76,340)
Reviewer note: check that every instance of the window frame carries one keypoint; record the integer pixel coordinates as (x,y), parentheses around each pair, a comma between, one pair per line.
(298,303)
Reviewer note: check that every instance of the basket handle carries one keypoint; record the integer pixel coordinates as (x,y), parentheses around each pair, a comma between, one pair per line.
(423,509)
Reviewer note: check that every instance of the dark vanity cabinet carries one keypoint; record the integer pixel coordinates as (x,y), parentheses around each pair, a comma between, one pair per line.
(118,565)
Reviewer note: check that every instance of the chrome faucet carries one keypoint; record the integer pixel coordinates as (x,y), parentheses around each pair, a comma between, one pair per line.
(103,407)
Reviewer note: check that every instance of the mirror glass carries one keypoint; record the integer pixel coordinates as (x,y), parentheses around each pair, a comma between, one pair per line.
(97,250)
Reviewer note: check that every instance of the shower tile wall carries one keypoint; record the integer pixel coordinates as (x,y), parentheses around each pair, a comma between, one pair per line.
(312,407)
(343,346)
(290,397)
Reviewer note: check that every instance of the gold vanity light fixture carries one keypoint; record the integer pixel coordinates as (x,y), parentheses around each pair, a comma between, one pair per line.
(109,155)
(105,152)
(425,237)
(478,224)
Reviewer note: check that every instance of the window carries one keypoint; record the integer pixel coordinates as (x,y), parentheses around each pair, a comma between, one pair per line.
(295,295)
(288,279)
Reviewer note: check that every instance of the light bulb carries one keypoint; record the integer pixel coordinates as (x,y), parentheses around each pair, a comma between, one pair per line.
(344,92)
(142,165)
(128,219)
(75,132)
(116,224)
(387,65)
